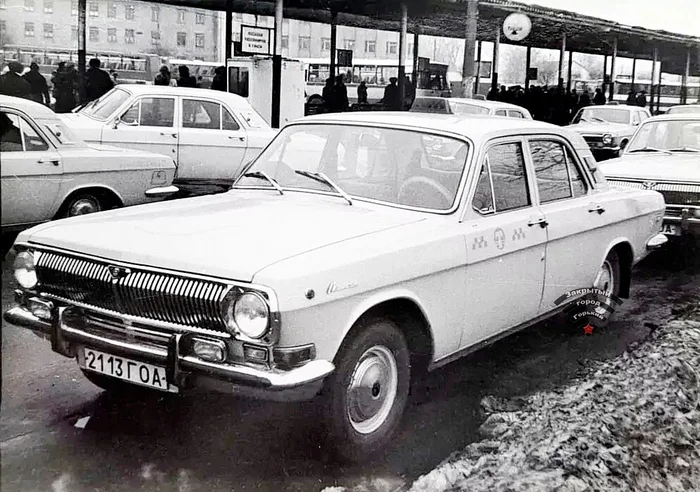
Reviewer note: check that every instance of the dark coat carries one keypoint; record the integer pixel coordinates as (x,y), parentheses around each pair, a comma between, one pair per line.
(39,87)
(97,83)
(11,84)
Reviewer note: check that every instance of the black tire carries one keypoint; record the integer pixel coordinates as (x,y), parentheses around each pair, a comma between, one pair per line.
(76,205)
(362,356)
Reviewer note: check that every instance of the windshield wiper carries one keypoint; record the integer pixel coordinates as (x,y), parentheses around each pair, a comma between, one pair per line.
(650,149)
(322,178)
(595,118)
(265,176)
(685,149)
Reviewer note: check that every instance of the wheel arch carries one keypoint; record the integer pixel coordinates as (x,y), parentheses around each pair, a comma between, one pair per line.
(101,191)
(625,252)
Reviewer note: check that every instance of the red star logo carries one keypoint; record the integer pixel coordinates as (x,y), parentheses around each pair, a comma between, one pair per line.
(588,329)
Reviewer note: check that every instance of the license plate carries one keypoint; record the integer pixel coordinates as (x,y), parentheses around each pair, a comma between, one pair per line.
(125,369)
(671,229)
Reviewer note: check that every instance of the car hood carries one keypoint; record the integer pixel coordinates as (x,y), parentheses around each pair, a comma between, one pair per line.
(601,128)
(231,235)
(88,129)
(654,166)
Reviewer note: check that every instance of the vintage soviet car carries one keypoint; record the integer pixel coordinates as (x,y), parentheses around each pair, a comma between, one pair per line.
(48,172)
(608,129)
(356,252)
(464,106)
(664,155)
(209,134)
(684,108)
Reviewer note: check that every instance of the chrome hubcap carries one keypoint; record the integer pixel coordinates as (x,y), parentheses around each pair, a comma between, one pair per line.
(83,206)
(372,390)
(605,280)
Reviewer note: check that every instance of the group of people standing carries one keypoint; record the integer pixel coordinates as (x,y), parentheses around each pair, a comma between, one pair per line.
(335,95)
(65,83)
(165,77)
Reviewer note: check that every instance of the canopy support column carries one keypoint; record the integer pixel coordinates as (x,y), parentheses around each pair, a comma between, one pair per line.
(469,48)
(612,71)
(684,80)
(653,79)
(568,73)
(494,69)
(562,54)
(82,55)
(478,67)
(402,54)
(334,41)
(634,74)
(416,37)
(528,62)
(277,66)
(229,39)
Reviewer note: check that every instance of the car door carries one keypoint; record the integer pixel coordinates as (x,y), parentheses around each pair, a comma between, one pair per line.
(31,170)
(576,217)
(212,143)
(148,124)
(506,244)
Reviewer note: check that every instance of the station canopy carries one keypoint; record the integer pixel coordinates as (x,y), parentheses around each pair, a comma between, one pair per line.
(447,18)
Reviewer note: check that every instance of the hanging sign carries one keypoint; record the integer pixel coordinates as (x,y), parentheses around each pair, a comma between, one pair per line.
(517,27)
(256,40)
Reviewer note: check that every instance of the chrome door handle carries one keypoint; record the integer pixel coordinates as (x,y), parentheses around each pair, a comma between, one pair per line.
(594,207)
(163,134)
(541,221)
(231,137)
(54,161)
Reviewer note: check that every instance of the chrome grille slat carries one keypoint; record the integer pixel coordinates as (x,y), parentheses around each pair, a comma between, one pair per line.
(143,294)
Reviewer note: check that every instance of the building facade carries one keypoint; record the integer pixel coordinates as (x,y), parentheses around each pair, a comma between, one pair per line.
(121,26)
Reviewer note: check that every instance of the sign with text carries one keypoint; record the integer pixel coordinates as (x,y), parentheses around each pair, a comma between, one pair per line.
(256,40)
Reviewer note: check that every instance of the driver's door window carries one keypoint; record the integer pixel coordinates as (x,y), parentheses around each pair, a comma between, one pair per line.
(151,111)
(18,135)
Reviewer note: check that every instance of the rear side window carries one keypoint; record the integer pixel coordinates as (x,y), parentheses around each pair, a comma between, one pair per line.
(557,175)
(515,114)
(501,112)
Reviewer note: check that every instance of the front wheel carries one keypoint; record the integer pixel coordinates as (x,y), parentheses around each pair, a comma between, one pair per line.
(367,393)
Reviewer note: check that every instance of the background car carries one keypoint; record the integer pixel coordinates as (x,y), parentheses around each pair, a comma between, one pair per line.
(48,172)
(209,134)
(608,129)
(684,108)
(464,106)
(664,155)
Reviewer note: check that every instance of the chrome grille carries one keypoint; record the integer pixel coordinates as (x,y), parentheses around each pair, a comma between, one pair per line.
(144,294)
(674,193)
(593,139)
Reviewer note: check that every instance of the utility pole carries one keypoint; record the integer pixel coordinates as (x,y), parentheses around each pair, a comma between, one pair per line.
(469,48)
(82,7)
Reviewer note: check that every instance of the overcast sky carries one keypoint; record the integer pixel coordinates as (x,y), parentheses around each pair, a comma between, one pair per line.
(680,16)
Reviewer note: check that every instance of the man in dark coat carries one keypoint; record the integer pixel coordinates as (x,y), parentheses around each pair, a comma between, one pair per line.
(97,81)
(642,99)
(631,98)
(185,80)
(392,98)
(12,83)
(362,93)
(39,87)
(163,77)
(64,87)
(219,81)
(340,95)
(599,98)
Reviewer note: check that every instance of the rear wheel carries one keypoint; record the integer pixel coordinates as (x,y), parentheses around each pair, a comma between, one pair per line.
(82,204)
(367,393)
(609,278)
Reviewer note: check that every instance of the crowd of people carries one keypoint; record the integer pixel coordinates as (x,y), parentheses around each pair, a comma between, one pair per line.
(335,95)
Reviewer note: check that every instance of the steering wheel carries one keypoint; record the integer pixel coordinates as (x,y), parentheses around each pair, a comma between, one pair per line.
(431,194)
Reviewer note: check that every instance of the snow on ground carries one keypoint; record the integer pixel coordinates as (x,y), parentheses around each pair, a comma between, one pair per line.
(628,424)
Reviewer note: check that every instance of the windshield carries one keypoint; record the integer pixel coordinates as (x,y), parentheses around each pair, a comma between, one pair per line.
(605,114)
(61,132)
(677,135)
(104,107)
(466,108)
(401,167)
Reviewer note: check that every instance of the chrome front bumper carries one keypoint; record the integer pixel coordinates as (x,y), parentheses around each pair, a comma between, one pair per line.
(162,191)
(656,241)
(686,220)
(70,331)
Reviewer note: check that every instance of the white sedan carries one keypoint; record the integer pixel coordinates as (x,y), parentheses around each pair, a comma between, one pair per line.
(608,129)
(49,173)
(209,134)
(465,107)
(394,244)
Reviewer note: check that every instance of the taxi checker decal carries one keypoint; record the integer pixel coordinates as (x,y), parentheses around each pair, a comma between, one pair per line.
(479,242)
(518,234)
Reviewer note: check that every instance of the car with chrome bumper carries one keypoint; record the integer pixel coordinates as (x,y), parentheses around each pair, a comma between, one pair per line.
(357,252)
(608,129)
(664,155)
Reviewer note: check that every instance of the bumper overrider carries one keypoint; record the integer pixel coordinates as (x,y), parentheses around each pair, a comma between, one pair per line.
(70,330)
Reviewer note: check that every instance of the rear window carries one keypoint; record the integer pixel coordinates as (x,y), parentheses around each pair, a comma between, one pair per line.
(466,108)
(430,106)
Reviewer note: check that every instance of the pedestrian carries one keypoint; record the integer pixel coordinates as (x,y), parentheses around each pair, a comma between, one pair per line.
(409,93)
(327,94)
(641,99)
(163,77)
(39,86)
(362,93)
(63,89)
(12,83)
(392,98)
(185,80)
(599,98)
(631,98)
(340,95)
(97,81)
(585,99)
(219,81)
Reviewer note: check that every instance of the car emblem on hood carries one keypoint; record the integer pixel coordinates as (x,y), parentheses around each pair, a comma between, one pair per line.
(649,185)
(118,272)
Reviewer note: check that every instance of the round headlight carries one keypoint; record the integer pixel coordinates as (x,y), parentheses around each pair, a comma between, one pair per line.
(25,274)
(251,315)
(607,139)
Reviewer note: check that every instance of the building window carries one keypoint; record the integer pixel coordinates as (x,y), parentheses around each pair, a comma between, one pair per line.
(325,44)
(94,34)
(48,6)
(48,31)
(392,47)
(112,34)
(370,46)
(155,14)
(155,37)
(74,7)
(199,40)
(2,4)
(285,42)
(94,9)
(349,44)
(111,10)
(29,29)
(129,37)
(182,39)
(29,5)
(200,18)
(304,43)
(181,16)
(129,12)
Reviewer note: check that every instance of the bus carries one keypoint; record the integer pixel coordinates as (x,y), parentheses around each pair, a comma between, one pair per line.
(666,95)
(432,77)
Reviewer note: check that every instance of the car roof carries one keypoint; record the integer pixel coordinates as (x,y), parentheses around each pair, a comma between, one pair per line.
(474,126)
(484,103)
(32,108)
(675,116)
(617,107)
(233,100)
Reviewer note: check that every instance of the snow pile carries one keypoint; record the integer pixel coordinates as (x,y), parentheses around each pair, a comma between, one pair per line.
(632,423)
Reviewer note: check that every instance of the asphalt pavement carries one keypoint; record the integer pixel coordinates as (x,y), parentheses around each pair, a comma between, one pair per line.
(223,443)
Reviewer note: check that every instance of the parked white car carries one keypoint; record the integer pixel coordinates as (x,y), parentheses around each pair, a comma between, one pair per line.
(48,172)
(209,134)
(402,243)
(684,109)
(464,106)
(608,129)
(664,155)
